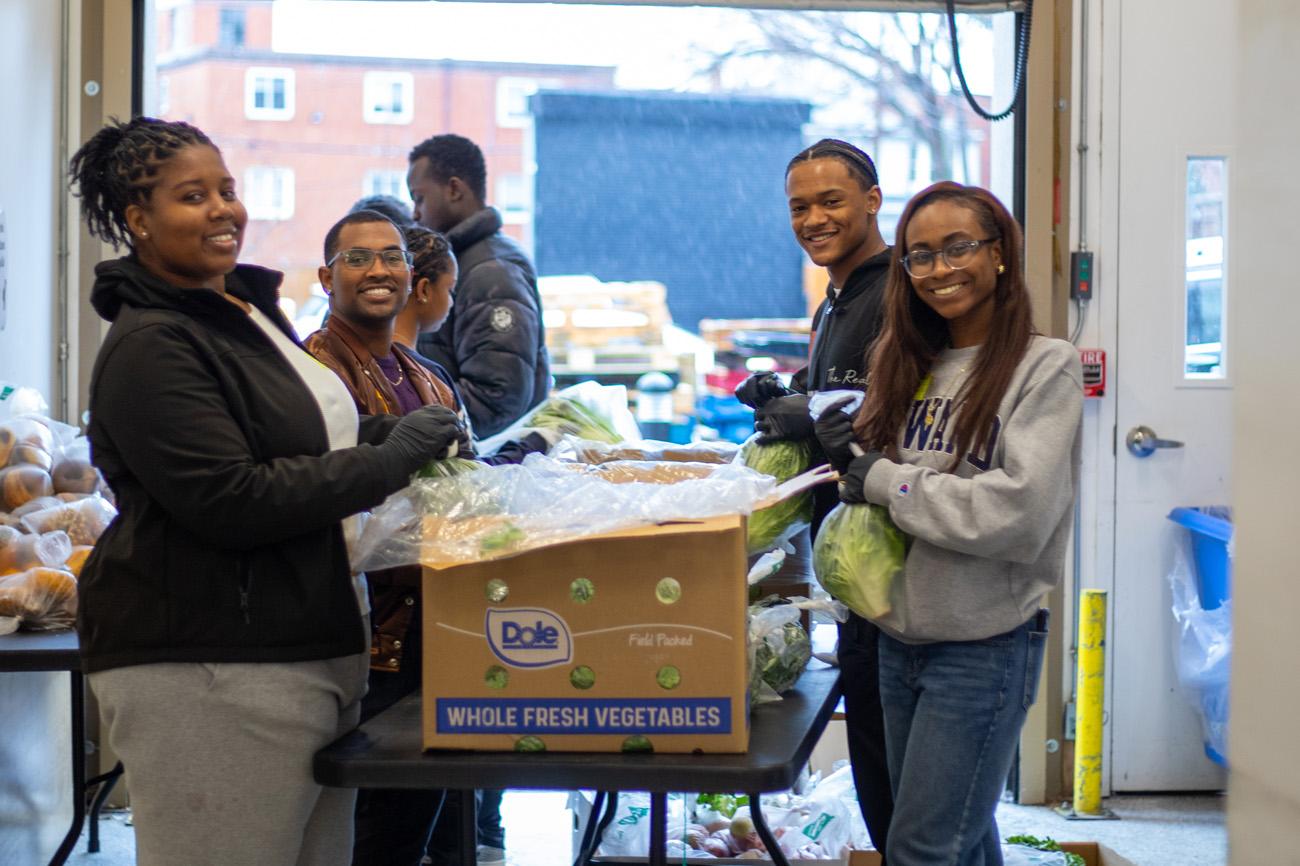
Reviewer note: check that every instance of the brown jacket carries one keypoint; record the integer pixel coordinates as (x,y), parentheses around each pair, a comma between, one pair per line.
(396,591)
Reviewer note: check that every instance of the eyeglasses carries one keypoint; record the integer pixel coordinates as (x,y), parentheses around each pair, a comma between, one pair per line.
(359,258)
(956,255)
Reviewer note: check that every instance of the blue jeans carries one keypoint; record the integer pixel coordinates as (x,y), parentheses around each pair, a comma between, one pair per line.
(953,713)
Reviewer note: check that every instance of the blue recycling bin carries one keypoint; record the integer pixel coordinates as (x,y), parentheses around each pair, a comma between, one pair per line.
(1211,530)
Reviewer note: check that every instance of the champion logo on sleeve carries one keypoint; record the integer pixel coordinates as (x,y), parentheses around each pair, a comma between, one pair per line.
(904,489)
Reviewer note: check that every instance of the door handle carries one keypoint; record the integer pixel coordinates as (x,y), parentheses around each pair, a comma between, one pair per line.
(1142,441)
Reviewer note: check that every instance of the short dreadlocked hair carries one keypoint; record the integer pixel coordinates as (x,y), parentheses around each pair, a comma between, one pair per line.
(854,158)
(431,251)
(119,166)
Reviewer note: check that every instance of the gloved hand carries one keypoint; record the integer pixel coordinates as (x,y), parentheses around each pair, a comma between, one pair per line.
(758,389)
(785,418)
(834,428)
(853,479)
(428,433)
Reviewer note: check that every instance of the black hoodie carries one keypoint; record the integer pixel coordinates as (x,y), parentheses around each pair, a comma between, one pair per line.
(228,545)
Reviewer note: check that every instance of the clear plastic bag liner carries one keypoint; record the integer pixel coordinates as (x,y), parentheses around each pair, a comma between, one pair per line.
(504,510)
(1203,652)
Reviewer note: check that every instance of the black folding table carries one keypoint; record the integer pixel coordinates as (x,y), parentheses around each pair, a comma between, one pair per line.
(37,651)
(387,752)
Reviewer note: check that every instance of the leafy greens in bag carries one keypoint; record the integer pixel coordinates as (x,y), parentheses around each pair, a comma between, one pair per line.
(857,556)
(783,461)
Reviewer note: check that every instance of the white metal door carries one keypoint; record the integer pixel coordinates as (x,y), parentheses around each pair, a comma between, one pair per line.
(1174,106)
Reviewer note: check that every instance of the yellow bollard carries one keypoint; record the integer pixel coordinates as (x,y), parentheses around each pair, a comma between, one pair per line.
(1090,696)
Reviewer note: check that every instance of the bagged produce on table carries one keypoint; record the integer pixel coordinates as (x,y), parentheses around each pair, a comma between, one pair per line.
(588,410)
(501,510)
(781,460)
(857,555)
(20,552)
(587,451)
(625,471)
(38,599)
(448,467)
(84,520)
(21,484)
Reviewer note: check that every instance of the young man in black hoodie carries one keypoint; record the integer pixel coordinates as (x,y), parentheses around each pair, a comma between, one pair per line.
(834,198)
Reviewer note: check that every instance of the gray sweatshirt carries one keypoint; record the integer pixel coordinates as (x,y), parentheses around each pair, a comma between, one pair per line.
(990,536)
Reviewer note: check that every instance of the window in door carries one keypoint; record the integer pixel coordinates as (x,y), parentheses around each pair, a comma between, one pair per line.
(1205,282)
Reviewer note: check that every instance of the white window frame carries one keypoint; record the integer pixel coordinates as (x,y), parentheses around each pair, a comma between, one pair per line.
(386,181)
(376,88)
(268,192)
(512,99)
(256,74)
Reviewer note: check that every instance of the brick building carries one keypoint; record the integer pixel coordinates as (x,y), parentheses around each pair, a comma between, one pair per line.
(307,135)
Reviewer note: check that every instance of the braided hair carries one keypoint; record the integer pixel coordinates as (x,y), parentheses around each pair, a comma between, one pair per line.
(854,158)
(431,251)
(118,167)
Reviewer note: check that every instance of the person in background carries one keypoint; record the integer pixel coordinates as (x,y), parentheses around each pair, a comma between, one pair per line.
(389,205)
(221,628)
(493,342)
(971,432)
(834,199)
(368,278)
(433,279)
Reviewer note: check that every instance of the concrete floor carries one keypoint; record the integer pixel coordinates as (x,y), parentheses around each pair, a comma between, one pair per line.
(1151,830)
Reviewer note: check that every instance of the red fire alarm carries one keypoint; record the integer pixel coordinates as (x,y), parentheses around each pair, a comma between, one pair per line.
(1094,372)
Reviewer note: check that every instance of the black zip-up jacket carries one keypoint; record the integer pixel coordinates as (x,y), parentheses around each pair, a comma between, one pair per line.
(493,342)
(843,328)
(228,545)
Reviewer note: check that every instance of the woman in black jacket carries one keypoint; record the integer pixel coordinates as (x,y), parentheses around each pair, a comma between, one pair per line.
(220,624)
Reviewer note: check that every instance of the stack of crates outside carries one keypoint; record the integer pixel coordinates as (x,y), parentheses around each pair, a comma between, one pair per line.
(593,327)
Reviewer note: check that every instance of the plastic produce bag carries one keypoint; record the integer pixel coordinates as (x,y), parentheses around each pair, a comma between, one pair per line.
(20,552)
(84,520)
(502,510)
(628,835)
(38,599)
(1022,855)
(1203,651)
(779,645)
(857,556)
(586,451)
(825,822)
(589,410)
(770,526)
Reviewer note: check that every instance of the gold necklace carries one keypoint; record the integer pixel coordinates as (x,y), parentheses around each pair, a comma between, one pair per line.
(924,389)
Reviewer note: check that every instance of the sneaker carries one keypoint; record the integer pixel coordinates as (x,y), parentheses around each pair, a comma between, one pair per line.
(490,856)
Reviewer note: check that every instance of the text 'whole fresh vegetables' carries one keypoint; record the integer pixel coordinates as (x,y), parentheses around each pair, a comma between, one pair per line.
(783,461)
(857,555)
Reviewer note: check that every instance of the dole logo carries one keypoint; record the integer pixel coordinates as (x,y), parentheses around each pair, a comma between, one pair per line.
(528,637)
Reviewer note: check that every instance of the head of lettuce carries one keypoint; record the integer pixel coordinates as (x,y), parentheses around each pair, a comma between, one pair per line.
(858,554)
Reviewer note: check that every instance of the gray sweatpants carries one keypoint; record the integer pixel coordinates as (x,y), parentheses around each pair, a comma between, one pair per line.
(218,759)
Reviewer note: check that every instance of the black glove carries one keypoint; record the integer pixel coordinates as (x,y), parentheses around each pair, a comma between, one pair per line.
(426,434)
(853,479)
(758,389)
(834,430)
(785,418)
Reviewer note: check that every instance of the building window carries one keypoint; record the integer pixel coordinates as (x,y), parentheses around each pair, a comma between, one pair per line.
(268,192)
(386,181)
(268,93)
(389,97)
(230,33)
(514,198)
(512,98)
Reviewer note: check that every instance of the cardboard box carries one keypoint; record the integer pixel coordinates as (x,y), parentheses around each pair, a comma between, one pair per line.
(663,666)
(1093,854)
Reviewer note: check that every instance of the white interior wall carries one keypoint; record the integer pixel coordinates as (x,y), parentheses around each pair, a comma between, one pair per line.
(30,183)
(1264,789)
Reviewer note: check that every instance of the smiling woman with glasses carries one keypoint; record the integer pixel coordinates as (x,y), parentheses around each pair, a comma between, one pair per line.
(969,436)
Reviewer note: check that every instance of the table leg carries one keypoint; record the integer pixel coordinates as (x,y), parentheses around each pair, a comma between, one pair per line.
(468,828)
(765,833)
(658,829)
(78,770)
(105,781)
(589,831)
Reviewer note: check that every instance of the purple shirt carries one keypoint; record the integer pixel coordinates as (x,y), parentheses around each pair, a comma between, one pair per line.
(408,399)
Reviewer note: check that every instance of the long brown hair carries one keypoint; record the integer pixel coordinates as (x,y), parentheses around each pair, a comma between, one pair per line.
(913,334)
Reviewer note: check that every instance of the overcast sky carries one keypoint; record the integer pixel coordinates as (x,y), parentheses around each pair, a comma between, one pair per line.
(653,47)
